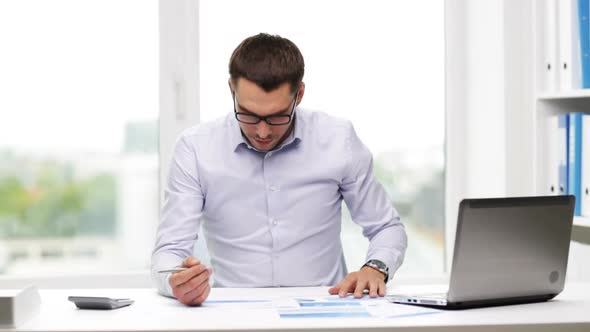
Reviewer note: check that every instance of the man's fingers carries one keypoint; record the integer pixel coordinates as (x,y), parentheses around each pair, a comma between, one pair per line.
(346,286)
(201,298)
(382,288)
(190,296)
(197,296)
(190,261)
(361,285)
(193,296)
(343,288)
(358,282)
(180,278)
(373,288)
(334,290)
(194,282)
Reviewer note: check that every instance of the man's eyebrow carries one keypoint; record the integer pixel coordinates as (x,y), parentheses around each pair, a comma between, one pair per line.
(245,110)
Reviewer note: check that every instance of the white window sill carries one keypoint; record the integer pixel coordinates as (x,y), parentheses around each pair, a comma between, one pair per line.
(133,279)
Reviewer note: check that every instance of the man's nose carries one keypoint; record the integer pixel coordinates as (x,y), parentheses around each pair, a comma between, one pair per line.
(263,129)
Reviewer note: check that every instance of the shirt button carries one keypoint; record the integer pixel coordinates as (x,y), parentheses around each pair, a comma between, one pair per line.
(272,188)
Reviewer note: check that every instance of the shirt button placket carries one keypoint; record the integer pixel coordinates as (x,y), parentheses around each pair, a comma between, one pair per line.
(272,222)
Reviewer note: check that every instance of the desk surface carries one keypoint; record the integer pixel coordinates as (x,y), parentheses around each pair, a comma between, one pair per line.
(569,311)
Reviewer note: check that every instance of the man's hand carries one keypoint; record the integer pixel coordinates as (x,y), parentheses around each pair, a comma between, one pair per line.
(357,282)
(191,287)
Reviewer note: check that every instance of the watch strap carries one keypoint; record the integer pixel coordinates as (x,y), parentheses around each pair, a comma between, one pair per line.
(379,266)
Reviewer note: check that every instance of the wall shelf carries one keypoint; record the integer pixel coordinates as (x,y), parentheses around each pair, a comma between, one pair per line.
(550,101)
(582,221)
(561,95)
(581,230)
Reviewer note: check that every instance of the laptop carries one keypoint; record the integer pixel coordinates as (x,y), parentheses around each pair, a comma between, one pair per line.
(507,251)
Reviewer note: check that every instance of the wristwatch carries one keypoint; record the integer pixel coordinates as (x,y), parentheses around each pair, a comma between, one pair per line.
(379,266)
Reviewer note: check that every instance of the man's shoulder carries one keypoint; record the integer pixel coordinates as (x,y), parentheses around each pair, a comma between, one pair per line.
(324,120)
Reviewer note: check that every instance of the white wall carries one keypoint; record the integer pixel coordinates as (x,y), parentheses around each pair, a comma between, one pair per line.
(519,80)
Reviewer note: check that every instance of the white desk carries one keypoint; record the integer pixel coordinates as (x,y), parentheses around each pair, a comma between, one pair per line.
(570,311)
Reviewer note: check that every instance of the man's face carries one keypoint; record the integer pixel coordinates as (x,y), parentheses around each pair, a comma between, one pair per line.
(251,99)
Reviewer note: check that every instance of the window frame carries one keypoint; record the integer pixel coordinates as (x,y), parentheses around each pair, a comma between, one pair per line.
(179,109)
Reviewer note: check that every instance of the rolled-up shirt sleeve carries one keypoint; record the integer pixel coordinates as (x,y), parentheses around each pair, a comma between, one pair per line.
(371,208)
(181,214)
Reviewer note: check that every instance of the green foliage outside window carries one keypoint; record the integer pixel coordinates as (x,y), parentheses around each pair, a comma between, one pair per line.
(50,202)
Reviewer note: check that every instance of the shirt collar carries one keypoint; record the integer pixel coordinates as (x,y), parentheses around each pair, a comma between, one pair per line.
(239,140)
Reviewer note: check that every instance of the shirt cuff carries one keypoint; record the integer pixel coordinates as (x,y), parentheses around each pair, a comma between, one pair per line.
(162,281)
(393,262)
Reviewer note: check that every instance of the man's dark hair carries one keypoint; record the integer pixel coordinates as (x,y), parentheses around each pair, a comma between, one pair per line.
(268,61)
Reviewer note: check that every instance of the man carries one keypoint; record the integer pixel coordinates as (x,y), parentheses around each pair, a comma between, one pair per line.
(268,182)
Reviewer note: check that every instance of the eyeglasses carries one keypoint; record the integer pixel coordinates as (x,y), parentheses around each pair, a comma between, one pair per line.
(273,120)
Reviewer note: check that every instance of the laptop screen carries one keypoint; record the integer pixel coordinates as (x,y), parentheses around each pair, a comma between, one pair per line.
(511,247)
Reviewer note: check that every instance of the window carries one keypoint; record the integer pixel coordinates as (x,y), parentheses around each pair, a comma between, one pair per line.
(378,63)
(78,135)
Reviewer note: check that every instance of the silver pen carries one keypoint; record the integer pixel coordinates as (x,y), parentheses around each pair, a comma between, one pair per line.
(174,270)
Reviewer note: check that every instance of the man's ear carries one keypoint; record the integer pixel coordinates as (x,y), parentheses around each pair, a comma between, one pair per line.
(301,92)
(231,86)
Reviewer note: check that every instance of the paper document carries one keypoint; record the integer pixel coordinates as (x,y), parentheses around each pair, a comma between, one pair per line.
(334,306)
(252,304)
(321,307)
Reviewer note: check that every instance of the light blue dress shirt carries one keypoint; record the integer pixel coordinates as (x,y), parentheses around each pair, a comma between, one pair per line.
(274,218)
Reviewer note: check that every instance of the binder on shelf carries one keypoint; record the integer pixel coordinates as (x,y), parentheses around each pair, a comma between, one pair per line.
(585,165)
(569,72)
(552,176)
(550,55)
(562,145)
(584,34)
(574,173)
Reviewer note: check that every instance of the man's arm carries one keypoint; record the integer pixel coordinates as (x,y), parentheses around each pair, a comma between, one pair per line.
(180,217)
(371,208)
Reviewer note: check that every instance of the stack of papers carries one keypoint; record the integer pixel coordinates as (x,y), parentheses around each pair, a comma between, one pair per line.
(336,307)
(325,307)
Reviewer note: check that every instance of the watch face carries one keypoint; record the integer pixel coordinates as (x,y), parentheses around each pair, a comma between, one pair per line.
(379,264)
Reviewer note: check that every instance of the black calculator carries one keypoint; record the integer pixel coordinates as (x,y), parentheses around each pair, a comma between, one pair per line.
(101,303)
